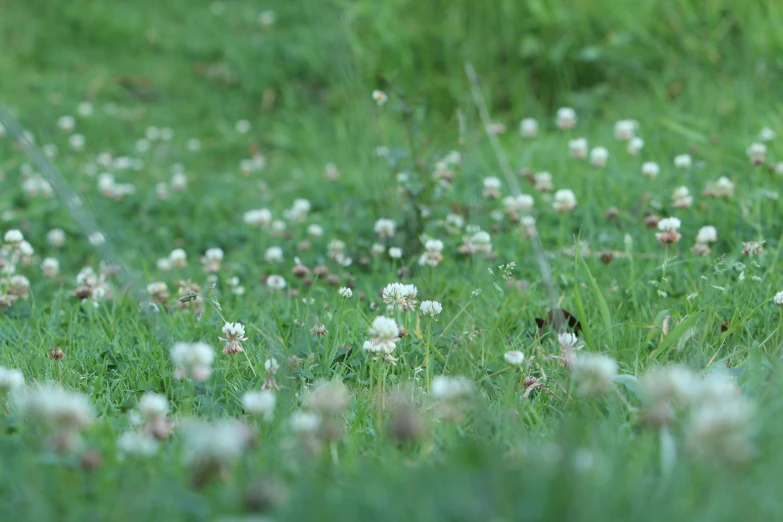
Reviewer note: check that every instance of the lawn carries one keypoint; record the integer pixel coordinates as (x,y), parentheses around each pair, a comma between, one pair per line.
(362,260)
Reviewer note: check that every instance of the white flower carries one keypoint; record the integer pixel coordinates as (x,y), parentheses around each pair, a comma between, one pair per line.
(514,357)
(345,292)
(137,444)
(480,242)
(329,398)
(625,129)
(594,373)
(304,422)
(11,379)
(384,334)
(153,406)
(520,203)
(578,148)
(431,308)
(757,152)
(215,442)
(681,198)
(271,365)
(568,341)
(398,294)
(192,360)
(178,258)
(163,264)
(385,227)
(599,156)
(723,187)
(395,253)
(379,97)
(179,181)
(260,403)
(50,267)
(528,127)
(651,169)
(707,234)
(492,183)
(242,126)
(85,109)
(778,299)
(564,200)
(566,118)
(273,254)
(275,282)
(683,161)
(449,389)
(635,145)
(258,217)
(51,405)
(670,224)
(767,134)
(267,18)
(315,231)
(13,237)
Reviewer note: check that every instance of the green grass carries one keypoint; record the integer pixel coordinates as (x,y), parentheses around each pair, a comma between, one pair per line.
(700,79)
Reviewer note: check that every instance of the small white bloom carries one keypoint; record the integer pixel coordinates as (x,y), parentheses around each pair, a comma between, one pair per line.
(260,403)
(564,200)
(395,252)
(594,373)
(767,134)
(707,234)
(192,360)
(431,308)
(153,406)
(670,224)
(379,97)
(50,267)
(599,156)
(385,227)
(514,357)
(566,118)
(635,145)
(345,292)
(624,129)
(13,237)
(528,127)
(778,299)
(683,161)
(137,444)
(271,365)
(275,282)
(450,389)
(651,169)
(11,379)
(578,148)
(757,153)
(273,254)
(304,423)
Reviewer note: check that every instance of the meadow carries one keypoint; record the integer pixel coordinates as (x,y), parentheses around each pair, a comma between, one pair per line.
(360,260)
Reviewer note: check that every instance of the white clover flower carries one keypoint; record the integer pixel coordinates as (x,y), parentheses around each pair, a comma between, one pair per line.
(273,254)
(11,379)
(85,109)
(258,217)
(767,134)
(179,181)
(451,389)
(480,242)
(778,299)
(635,145)
(670,224)
(379,97)
(455,221)
(599,156)
(192,360)
(681,198)
(566,118)
(385,228)
(329,398)
(757,153)
(594,373)
(651,169)
(564,200)
(683,161)
(271,365)
(578,148)
(275,282)
(345,292)
(215,442)
(543,182)
(520,203)
(707,234)
(624,129)
(723,187)
(400,295)
(153,407)
(431,308)
(528,127)
(163,264)
(304,423)
(50,267)
(137,444)
(13,237)
(384,334)
(260,403)
(52,406)
(395,252)
(315,231)
(568,341)
(514,357)
(242,126)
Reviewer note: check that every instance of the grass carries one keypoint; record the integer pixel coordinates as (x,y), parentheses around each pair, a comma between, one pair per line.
(699,80)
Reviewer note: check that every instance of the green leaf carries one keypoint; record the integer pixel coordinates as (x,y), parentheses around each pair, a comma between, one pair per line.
(669,341)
